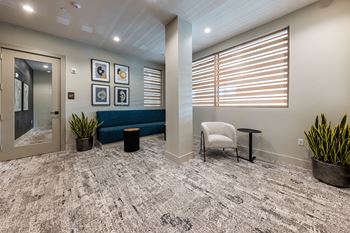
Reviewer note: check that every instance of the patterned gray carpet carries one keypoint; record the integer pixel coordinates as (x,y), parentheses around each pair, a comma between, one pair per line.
(113,191)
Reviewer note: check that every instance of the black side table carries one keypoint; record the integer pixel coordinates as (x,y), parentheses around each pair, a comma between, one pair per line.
(131,139)
(250,131)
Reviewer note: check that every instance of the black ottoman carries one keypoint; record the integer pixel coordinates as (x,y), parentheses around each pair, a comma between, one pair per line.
(131,139)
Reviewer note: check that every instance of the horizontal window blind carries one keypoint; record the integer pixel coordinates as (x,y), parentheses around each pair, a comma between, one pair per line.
(152,87)
(203,82)
(253,74)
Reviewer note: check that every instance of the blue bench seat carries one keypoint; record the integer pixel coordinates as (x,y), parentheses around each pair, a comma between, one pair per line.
(149,121)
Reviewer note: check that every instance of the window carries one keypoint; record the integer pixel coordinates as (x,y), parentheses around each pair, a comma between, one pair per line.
(253,74)
(203,82)
(152,87)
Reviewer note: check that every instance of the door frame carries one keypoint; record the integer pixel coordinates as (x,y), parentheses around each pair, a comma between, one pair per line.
(62,85)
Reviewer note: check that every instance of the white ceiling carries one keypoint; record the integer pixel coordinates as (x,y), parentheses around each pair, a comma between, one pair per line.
(39,66)
(140,23)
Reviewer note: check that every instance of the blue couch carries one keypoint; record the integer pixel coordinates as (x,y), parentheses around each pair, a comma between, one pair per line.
(114,122)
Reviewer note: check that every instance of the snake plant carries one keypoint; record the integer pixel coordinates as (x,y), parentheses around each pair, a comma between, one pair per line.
(82,126)
(330,145)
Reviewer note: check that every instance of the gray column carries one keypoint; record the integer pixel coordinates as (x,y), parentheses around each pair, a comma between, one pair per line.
(178,66)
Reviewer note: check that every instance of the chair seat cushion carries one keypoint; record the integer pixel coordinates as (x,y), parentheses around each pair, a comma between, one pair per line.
(221,141)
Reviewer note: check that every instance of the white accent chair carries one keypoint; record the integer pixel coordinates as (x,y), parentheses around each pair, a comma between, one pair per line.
(218,135)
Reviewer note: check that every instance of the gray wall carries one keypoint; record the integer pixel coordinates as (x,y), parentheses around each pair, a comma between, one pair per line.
(78,55)
(319,82)
(42,85)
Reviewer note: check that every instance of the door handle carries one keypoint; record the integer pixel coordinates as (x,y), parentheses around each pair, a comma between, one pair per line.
(55,113)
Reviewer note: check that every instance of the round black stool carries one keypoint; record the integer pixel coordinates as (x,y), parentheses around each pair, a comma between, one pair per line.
(131,139)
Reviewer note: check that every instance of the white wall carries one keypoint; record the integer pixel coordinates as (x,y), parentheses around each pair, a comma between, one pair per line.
(78,55)
(42,99)
(319,82)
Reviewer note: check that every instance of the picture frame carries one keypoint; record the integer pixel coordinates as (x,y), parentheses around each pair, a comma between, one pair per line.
(100,71)
(25,97)
(121,74)
(121,96)
(100,95)
(18,96)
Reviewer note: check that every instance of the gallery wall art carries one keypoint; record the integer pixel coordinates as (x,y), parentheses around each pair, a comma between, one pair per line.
(99,71)
(121,96)
(100,95)
(25,97)
(18,96)
(121,74)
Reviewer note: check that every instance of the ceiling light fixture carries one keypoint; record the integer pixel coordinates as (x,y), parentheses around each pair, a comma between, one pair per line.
(207,30)
(28,8)
(49,71)
(116,39)
(45,66)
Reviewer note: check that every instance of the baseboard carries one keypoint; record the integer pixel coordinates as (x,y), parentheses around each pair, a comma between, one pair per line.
(179,159)
(277,158)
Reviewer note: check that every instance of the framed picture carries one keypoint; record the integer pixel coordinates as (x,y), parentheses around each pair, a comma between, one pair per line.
(121,74)
(18,95)
(100,71)
(25,97)
(121,96)
(100,95)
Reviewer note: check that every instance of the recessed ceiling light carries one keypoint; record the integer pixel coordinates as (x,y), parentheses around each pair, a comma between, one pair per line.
(116,39)
(48,71)
(28,8)
(45,66)
(207,30)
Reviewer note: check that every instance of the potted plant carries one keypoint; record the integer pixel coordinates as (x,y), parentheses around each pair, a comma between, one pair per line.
(331,151)
(84,129)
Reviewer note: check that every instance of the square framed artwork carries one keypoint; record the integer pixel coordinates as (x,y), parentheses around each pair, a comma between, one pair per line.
(121,96)
(25,97)
(18,96)
(100,71)
(100,95)
(121,74)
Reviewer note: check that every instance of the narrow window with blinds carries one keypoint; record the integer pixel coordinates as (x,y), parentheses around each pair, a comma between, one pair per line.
(253,74)
(152,87)
(203,82)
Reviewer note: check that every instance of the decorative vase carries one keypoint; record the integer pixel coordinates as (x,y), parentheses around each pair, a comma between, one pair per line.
(84,144)
(335,175)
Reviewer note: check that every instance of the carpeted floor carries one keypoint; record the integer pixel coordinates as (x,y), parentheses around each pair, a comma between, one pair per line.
(112,191)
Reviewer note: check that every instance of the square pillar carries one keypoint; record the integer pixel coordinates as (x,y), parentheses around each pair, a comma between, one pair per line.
(178,66)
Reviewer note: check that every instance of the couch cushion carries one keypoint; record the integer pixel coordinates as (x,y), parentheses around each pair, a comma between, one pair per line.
(130,117)
(115,133)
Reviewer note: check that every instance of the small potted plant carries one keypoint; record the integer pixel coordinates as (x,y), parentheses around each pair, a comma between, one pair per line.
(331,151)
(85,130)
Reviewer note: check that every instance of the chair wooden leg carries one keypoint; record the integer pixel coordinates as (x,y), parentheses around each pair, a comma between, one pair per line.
(237,154)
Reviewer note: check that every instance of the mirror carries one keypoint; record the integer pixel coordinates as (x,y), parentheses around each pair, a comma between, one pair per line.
(32,102)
